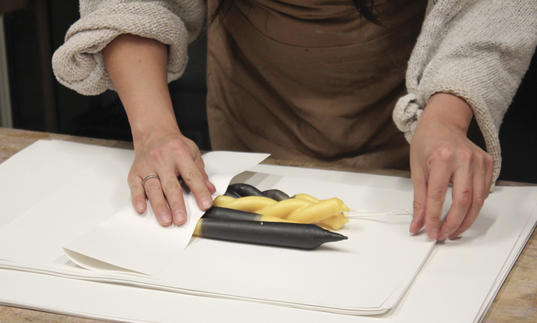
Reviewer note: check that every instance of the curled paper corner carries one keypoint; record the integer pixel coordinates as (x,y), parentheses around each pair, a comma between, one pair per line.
(230,162)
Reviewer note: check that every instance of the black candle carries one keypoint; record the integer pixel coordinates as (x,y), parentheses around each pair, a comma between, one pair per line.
(291,235)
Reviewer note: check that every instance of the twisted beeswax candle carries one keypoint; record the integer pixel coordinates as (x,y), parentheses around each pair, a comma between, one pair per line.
(302,208)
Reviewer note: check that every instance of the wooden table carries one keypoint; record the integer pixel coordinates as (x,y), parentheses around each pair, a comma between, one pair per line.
(516,300)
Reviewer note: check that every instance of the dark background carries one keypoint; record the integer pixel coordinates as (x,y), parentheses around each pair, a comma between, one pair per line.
(37,28)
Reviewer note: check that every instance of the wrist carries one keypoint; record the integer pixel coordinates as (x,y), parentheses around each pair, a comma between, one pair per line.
(152,125)
(449,110)
(141,136)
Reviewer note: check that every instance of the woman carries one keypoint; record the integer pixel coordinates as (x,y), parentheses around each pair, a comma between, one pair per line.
(313,79)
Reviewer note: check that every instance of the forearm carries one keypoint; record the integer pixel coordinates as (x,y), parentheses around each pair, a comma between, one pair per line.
(137,67)
(78,63)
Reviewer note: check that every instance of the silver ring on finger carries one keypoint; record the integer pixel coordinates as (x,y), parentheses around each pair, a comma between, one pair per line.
(148,177)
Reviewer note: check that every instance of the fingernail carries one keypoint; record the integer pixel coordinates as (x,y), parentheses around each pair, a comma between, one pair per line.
(433,234)
(206,203)
(179,217)
(165,219)
(442,236)
(139,206)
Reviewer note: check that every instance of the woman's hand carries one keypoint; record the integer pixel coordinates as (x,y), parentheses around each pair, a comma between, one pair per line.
(440,154)
(170,156)
(137,67)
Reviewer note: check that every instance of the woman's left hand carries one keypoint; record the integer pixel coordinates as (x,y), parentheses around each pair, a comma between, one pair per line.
(440,154)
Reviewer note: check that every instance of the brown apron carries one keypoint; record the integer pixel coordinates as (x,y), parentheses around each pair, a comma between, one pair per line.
(310,80)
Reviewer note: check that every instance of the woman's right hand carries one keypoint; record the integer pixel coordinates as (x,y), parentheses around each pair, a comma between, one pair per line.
(138,69)
(172,158)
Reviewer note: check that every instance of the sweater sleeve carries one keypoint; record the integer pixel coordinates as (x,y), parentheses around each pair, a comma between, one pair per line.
(78,63)
(477,50)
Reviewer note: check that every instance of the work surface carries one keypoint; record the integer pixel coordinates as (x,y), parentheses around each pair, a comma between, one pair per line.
(516,301)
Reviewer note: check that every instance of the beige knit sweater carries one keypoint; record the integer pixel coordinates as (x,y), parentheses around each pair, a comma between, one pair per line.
(478,50)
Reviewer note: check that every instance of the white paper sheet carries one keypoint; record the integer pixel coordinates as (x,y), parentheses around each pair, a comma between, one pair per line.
(323,278)
(486,252)
(465,274)
(46,167)
(55,190)
(425,301)
(137,243)
(48,197)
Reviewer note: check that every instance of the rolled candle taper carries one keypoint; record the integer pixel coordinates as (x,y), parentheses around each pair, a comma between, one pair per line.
(222,213)
(290,235)
(328,214)
(275,194)
(244,189)
(246,203)
(232,193)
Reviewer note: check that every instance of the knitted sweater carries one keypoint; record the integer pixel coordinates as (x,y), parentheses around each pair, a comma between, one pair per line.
(478,50)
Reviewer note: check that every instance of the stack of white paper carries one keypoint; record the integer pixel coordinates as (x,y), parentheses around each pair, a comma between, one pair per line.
(81,216)
(66,222)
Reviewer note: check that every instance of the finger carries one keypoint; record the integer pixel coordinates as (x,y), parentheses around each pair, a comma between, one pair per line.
(155,195)
(489,166)
(174,196)
(477,204)
(137,193)
(195,180)
(437,186)
(482,181)
(201,166)
(420,195)
(210,186)
(462,200)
